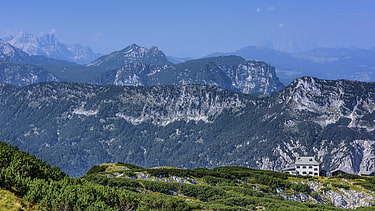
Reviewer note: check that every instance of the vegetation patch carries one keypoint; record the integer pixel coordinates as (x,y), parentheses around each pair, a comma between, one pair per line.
(25,178)
(10,202)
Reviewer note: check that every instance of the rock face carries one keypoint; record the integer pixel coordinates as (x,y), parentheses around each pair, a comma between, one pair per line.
(48,45)
(135,66)
(192,126)
(325,104)
(253,77)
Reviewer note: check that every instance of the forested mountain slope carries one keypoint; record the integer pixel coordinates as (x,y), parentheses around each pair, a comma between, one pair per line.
(75,126)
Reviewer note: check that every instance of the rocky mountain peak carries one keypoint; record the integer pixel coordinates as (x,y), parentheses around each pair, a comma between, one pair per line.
(34,45)
(48,45)
(134,51)
(154,48)
(22,37)
(135,47)
(49,39)
(131,54)
(132,47)
(9,53)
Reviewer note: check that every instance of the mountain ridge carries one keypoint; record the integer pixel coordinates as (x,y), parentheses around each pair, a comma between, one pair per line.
(139,66)
(188,126)
(229,72)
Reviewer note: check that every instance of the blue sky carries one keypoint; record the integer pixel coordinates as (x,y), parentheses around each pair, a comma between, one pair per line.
(194,28)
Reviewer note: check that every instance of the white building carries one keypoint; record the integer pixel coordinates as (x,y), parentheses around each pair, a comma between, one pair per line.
(306,166)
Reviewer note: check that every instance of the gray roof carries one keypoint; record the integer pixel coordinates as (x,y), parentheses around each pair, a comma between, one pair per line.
(288,168)
(343,170)
(367,173)
(306,161)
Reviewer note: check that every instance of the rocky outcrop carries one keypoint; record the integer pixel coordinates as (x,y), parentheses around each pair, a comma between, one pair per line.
(350,197)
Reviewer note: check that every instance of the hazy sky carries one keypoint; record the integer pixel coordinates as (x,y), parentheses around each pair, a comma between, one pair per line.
(194,27)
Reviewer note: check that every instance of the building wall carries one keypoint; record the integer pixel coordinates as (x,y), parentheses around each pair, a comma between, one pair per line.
(307,170)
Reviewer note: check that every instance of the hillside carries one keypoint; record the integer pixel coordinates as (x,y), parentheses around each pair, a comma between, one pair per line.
(233,188)
(10,202)
(27,183)
(75,126)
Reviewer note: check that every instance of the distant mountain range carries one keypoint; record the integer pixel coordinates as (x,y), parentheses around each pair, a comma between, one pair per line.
(326,63)
(48,45)
(136,65)
(139,66)
(176,60)
(289,46)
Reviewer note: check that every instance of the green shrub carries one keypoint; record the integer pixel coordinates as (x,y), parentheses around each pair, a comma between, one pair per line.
(325,189)
(130,166)
(96,169)
(315,195)
(349,176)
(304,188)
(218,181)
(340,186)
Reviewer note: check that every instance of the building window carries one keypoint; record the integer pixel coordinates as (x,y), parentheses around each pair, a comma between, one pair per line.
(304,172)
(298,167)
(304,167)
(310,167)
(316,174)
(315,169)
(310,173)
